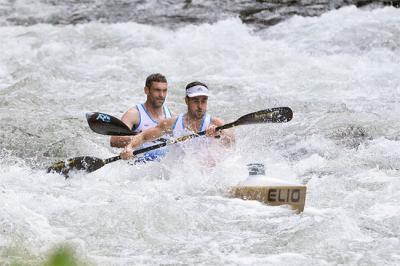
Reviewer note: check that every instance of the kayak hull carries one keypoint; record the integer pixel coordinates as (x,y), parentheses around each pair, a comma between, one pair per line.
(274,195)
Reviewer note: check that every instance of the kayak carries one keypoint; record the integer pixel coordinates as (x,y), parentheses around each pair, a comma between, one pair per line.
(108,125)
(269,190)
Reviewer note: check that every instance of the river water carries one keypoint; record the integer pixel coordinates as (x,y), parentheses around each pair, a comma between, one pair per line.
(339,72)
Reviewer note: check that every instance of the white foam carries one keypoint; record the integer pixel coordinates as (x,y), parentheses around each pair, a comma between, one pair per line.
(335,76)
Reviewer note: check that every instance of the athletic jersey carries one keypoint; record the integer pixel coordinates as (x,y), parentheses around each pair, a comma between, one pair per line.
(202,148)
(180,129)
(146,122)
(198,145)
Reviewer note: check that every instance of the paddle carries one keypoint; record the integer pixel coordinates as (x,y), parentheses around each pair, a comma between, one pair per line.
(109,125)
(90,164)
(106,124)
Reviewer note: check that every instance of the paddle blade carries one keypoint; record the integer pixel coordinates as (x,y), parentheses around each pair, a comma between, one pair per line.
(107,125)
(87,163)
(272,115)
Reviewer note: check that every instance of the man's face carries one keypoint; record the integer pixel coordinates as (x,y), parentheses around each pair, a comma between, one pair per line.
(197,106)
(157,93)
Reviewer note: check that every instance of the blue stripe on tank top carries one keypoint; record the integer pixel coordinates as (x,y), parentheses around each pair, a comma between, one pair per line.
(202,122)
(176,121)
(151,118)
(165,111)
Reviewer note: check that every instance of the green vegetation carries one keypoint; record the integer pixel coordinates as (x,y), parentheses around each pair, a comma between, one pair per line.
(59,256)
(62,256)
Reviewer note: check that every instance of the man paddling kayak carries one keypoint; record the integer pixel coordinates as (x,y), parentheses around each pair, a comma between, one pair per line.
(195,119)
(147,115)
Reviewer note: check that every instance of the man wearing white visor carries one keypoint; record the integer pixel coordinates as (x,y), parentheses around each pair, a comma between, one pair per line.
(194,120)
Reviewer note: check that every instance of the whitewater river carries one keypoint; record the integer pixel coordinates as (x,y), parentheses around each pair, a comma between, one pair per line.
(339,72)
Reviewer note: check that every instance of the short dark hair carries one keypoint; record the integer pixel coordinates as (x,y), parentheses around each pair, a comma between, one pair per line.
(156,77)
(195,83)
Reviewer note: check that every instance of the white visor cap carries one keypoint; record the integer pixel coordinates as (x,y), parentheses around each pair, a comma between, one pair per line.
(197,90)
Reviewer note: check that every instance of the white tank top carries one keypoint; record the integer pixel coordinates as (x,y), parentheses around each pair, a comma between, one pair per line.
(146,122)
(198,145)
(180,129)
(145,119)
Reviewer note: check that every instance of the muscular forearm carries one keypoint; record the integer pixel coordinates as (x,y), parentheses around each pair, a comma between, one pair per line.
(119,141)
(148,135)
(152,133)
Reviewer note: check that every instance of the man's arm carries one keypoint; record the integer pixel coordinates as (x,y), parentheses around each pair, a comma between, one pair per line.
(227,135)
(131,119)
(163,127)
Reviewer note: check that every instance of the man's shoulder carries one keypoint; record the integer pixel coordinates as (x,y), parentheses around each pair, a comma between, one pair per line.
(131,116)
(132,110)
